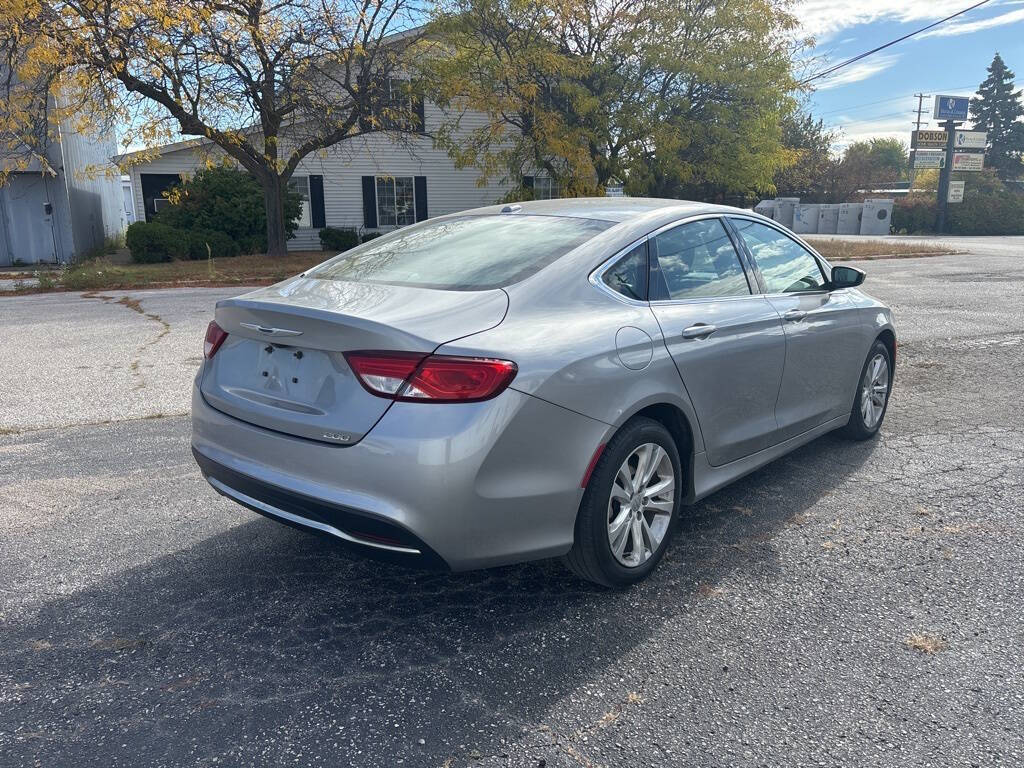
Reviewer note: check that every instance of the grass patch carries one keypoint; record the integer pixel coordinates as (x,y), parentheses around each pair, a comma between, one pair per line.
(103,274)
(927,644)
(867,249)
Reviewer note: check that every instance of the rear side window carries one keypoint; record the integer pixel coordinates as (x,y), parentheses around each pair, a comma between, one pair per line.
(628,275)
(468,253)
(787,267)
(696,261)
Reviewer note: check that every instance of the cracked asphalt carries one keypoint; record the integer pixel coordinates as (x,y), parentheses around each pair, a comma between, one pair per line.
(144,620)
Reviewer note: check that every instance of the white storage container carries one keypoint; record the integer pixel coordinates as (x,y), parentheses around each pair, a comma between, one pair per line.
(828,219)
(784,207)
(877,217)
(849,218)
(805,219)
(766,208)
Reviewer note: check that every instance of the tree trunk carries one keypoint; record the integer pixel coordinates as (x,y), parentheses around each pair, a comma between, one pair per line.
(273,195)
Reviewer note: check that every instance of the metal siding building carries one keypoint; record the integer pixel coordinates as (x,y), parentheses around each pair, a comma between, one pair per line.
(55,219)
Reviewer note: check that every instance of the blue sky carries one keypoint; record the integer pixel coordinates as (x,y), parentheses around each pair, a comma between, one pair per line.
(874,97)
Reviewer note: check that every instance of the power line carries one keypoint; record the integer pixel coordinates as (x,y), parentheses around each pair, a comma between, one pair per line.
(848,62)
(858,107)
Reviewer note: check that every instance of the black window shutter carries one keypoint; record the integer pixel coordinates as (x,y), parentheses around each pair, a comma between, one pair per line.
(370,202)
(421,197)
(421,117)
(528,182)
(317,215)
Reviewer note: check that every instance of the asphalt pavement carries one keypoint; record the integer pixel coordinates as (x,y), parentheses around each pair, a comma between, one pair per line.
(144,620)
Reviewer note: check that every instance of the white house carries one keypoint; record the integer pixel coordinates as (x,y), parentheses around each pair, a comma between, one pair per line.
(370,182)
(46,218)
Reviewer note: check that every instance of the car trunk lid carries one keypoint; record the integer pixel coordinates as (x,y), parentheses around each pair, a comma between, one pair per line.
(283,367)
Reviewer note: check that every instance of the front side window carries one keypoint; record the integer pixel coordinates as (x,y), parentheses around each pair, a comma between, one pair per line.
(697,261)
(300,184)
(787,267)
(465,253)
(628,275)
(396,201)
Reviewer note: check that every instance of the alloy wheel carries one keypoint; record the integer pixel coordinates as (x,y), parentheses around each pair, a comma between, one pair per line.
(874,390)
(641,504)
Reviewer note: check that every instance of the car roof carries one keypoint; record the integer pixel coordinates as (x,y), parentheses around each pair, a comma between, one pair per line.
(617,209)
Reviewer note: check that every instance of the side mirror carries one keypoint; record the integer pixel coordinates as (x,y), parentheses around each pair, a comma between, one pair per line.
(846,277)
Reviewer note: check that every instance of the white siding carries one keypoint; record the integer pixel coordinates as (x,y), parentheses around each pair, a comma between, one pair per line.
(449,190)
(183,161)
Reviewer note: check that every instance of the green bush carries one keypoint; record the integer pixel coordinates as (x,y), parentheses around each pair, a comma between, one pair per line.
(151,242)
(209,243)
(989,208)
(338,238)
(913,215)
(230,201)
(370,236)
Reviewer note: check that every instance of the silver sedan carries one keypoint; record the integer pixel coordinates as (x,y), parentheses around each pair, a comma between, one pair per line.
(552,379)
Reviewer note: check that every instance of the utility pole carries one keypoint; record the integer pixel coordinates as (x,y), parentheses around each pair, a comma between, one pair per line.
(950,127)
(917,127)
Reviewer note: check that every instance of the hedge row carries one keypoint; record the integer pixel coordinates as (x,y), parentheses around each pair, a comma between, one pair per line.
(151,242)
(989,208)
(342,238)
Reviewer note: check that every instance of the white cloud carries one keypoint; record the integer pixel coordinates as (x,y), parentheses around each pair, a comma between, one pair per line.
(862,130)
(824,18)
(862,70)
(967,27)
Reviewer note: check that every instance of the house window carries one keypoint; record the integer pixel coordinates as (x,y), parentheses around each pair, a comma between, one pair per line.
(407,104)
(396,201)
(544,188)
(153,187)
(300,184)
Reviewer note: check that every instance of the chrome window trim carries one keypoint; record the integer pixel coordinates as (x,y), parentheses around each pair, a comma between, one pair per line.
(598,272)
(304,521)
(597,275)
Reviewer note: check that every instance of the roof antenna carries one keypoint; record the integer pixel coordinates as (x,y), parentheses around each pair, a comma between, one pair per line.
(512,208)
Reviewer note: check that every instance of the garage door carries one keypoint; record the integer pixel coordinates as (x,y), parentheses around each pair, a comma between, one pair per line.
(28,220)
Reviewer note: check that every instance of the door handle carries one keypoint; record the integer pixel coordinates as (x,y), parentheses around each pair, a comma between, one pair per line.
(698,331)
(794,315)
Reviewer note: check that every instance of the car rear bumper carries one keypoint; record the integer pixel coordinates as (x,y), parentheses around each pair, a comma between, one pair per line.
(452,486)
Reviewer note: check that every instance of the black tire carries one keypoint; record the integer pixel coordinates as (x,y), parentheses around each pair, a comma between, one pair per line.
(591,555)
(857,427)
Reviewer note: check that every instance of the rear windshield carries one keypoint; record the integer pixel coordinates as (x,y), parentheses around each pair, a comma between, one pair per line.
(463,254)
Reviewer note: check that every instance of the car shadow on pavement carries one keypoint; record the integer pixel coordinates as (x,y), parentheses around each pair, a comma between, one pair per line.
(266,646)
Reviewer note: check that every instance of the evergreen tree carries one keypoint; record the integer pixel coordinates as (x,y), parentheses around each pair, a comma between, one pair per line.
(998,111)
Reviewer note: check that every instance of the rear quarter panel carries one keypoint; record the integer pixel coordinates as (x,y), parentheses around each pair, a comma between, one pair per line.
(585,351)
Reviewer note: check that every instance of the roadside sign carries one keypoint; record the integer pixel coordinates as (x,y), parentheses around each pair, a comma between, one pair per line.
(970,139)
(614,190)
(928,139)
(956,192)
(924,159)
(951,107)
(968,161)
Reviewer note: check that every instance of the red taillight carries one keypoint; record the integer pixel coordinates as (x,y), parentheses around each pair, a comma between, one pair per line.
(215,336)
(414,377)
(384,373)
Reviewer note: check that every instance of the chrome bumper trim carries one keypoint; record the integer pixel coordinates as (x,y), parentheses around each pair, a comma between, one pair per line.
(305,521)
